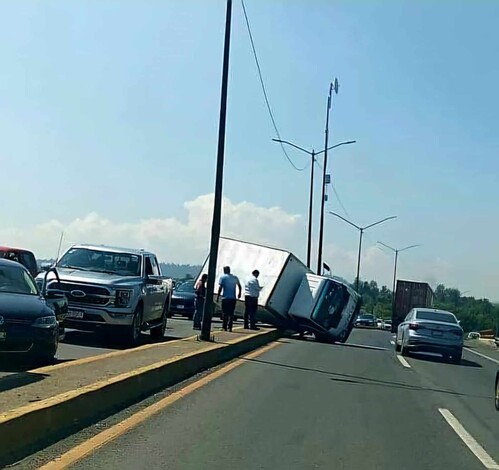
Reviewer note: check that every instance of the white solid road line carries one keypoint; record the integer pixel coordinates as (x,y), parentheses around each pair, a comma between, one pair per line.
(480,453)
(482,355)
(403,361)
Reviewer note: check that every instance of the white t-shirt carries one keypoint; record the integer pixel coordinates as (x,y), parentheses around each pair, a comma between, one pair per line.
(252,287)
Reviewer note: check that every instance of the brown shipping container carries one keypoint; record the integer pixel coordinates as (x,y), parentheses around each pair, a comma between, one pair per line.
(408,295)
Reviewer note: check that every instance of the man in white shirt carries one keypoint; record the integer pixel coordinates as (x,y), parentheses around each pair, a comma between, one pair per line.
(252,290)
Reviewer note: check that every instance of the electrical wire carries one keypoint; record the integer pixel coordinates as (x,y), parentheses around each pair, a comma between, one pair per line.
(262,83)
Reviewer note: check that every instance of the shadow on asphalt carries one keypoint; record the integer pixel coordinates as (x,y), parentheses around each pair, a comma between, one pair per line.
(19,379)
(440,360)
(360,380)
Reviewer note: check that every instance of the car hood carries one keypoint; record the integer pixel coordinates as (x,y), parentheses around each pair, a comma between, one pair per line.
(93,277)
(23,306)
(183,295)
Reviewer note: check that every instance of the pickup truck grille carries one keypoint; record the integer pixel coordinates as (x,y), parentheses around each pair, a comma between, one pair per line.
(92,295)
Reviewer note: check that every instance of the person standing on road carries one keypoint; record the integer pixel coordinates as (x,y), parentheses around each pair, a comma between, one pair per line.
(227,288)
(200,290)
(251,293)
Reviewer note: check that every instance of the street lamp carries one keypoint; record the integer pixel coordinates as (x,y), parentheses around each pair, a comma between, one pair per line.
(332,86)
(361,230)
(396,251)
(313,154)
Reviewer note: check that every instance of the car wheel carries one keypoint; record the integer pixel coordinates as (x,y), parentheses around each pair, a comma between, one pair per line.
(456,358)
(497,392)
(135,328)
(158,332)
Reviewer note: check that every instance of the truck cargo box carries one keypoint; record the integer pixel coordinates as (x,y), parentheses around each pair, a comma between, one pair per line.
(409,295)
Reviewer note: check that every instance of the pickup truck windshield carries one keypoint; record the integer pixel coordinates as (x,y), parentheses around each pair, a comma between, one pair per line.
(330,307)
(122,264)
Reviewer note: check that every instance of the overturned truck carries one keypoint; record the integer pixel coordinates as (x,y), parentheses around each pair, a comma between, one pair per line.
(293,298)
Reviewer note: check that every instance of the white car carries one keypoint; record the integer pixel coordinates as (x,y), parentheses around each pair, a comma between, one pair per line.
(380,323)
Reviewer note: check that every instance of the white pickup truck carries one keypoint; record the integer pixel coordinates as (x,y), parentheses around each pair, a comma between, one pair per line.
(116,289)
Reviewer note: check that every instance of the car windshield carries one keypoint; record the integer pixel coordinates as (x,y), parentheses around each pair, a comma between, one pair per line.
(185,287)
(436,316)
(15,280)
(366,316)
(84,259)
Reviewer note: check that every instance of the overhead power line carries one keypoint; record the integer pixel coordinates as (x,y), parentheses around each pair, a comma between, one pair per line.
(262,83)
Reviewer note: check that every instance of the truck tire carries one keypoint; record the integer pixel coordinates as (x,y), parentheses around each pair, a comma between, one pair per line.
(397,346)
(158,332)
(134,330)
(403,350)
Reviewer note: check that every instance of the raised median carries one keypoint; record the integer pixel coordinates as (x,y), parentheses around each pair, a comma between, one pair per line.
(58,400)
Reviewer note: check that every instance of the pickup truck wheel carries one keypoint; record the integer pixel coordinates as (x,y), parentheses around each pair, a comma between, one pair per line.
(135,328)
(158,332)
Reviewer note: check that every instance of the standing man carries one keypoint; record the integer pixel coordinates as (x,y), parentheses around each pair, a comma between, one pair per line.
(200,290)
(227,287)
(251,292)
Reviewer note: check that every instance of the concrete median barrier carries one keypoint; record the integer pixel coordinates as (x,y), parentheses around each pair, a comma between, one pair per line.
(28,428)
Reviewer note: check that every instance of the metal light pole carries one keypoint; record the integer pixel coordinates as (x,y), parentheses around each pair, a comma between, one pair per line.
(313,154)
(396,251)
(361,230)
(323,200)
(217,207)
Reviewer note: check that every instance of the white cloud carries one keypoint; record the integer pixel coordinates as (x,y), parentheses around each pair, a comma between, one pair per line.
(172,239)
(187,241)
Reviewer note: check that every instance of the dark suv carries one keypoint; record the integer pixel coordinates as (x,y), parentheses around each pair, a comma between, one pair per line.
(24,257)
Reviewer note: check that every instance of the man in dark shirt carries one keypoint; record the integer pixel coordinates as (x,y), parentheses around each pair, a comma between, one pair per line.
(200,289)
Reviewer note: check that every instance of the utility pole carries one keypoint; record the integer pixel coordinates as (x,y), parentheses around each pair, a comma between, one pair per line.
(217,206)
(312,154)
(324,172)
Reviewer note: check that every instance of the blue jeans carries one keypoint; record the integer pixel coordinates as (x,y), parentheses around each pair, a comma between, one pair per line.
(198,314)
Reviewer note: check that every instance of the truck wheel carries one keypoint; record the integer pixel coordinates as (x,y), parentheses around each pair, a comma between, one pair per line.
(397,346)
(403,350)
(158,332)
(135,328)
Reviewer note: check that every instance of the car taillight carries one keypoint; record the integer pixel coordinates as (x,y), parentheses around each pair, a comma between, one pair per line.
(457,332)
(414,326)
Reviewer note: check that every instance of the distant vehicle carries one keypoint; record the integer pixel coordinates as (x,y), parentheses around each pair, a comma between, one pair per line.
(24,257)
(30,319)
(409,295)
(117,289)
(292,297)
(380,323)
(183,300)
(430,330)
(365,319)
(387,325)
(473,335)
(497,391)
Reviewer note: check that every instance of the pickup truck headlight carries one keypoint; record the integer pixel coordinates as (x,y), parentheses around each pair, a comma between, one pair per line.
(123,298)
(45,321)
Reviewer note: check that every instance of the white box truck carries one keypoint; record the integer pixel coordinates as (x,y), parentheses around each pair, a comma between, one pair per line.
(292,297)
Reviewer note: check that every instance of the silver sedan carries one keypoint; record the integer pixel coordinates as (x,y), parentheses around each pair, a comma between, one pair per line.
(430,330)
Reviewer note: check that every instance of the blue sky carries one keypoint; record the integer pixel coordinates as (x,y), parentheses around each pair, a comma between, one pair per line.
(112,108)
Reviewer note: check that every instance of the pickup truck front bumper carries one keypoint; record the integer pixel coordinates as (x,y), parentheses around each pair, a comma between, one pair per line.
(92,319)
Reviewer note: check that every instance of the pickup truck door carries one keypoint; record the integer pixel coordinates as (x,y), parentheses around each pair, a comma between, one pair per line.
(153,303)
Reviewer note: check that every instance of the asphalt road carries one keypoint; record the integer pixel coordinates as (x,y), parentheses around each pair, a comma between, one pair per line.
(79,344)
(304,405)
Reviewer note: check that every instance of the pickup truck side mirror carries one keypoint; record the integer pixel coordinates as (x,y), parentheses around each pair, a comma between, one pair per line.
(154,280)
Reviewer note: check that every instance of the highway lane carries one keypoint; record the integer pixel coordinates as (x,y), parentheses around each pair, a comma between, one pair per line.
(80,344)
(309,405)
